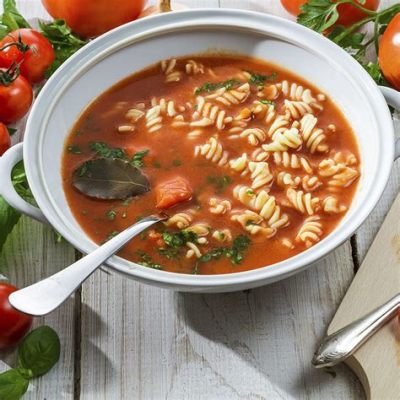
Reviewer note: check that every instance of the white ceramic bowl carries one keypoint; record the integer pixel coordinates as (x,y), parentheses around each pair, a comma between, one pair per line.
(133,47)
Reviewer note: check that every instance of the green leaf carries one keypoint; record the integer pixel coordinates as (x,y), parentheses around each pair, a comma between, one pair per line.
(260,79)
(103,150)
(318,15)
(147,261)
(11,19)
(14,383)
(39,351)
(8,219)
(212,86)
(65,43)
(137,159)
(220,182)
(179,239)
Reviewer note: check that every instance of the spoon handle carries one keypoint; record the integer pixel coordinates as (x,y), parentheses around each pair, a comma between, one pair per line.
(46,295)
(336,347)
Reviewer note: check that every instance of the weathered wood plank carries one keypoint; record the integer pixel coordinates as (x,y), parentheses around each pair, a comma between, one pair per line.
(29,255)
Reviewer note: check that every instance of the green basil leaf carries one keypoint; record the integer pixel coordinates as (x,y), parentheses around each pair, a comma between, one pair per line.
(8,219)
(39,351)
(12,15)
(13,384)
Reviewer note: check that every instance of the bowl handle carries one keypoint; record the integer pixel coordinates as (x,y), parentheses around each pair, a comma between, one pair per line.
(392,97)
(7,162)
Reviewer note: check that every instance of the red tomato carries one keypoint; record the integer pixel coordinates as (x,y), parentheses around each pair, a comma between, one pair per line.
(15,97)
(172,192)
(348,14)
(34,61)
(389,52)
(13,324)
(5,140)
(93,17)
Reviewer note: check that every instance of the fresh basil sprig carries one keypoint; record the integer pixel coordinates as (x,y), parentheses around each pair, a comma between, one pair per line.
(11,19)
(37,354)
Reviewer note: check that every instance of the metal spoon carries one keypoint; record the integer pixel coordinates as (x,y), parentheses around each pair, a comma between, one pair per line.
(43,297)
(336,347)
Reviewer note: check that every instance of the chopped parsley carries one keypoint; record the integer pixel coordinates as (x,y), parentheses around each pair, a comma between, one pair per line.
(179,239)
(137,159)
(220,182)
(103,150)
(267,102)
(156,164)
(259,79)
(74,149)
(111,214)
(169,253)
(209,87)
(176,163)
(111,235)
(146,260)
(235,253)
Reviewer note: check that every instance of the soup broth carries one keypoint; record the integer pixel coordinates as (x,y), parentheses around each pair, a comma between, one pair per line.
(252,163)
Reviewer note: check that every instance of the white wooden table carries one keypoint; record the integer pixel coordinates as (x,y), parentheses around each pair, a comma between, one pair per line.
(123,340)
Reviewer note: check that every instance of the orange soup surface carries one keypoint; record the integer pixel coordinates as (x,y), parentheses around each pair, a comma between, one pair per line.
(252,164)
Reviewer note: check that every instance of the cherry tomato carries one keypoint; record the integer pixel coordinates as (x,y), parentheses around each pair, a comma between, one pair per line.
(172,192)
(15,96)
(13,324)
(389,52)
(348,14)
(93,17)
(36,58)
(5,140)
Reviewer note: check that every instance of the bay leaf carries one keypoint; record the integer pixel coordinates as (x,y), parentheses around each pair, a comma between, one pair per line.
(109,179)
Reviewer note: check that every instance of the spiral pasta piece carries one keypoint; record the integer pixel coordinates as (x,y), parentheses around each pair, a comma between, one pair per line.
(331,205)
(283,141)
(207,114)
(254,135)
(260,174)
(293,91)
(314,138)
(193,68)
(251,222)
(154,119)
(263,203)
(168,68)
(193,250)
(240,164)
(218,206)
(286,179)
(212,151)
(200,229)
(232,96)
(296,109)
(293,161)
(310,183)
(340,174)
(310,232)
(223,235)
(181,220)
(279,124)
(302,202)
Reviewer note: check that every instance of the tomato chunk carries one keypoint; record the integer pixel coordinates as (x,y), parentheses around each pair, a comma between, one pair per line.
(172,192)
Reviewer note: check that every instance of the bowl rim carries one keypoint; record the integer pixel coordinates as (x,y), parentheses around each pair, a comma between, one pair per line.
(265,24)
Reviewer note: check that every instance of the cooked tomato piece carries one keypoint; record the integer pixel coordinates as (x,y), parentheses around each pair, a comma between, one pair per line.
(173,192)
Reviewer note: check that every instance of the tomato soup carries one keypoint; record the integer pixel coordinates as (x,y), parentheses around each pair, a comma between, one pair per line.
(252,164)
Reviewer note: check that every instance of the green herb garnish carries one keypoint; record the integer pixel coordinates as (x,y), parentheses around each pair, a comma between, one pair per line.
(235,253)
(146,260)
(111,214)
(64,42)
(220,182)
(209,87)
(268,102)
(179,239)
(176,163)
(259,79)
(111,235)
(169,253)
(322,15)
(104,150)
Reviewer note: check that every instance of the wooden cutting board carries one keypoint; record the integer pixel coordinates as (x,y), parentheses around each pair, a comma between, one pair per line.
(377,362)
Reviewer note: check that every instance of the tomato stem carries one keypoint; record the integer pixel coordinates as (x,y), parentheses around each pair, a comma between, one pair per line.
(8,76)
(165,6)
